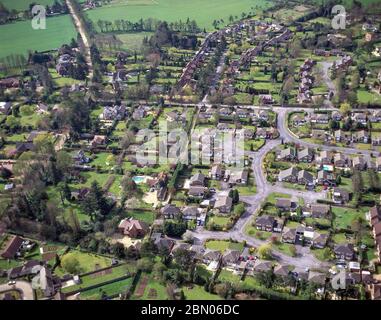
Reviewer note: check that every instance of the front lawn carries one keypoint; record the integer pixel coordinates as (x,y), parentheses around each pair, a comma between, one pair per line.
(223,245)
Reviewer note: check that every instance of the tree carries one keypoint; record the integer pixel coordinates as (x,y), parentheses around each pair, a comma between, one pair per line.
(184,258)
(118,250)
(95,204)
(71,264)
(144,264)
(174,228)
(266,278)
(345,109)
(128,185)
(239,209)
(265,251)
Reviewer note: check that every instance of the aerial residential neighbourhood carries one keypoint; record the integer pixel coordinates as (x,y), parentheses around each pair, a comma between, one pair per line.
(190,150)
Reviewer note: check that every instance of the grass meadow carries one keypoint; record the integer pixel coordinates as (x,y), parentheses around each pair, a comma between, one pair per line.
(19,37)
(204,12)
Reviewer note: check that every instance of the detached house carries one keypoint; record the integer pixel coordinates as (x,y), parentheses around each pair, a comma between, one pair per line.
(170,211)
(223,204)
(133,228)
(198,180)
(288,154)
(344,252)
(340,196)
(359,163)
(306,178)
(265,223)
(306,155)
(326,178)
(288,175)
(217,172)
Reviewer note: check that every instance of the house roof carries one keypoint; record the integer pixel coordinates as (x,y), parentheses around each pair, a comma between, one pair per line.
(231,256)
(263,266)
(288,172)
(265,220)
(317,277)
(170,209)
(12,247)
(346,249)
(283,203)
(281,270)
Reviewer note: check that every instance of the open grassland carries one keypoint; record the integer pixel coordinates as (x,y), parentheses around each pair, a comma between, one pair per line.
(204,12)
(19,37)
(21,5)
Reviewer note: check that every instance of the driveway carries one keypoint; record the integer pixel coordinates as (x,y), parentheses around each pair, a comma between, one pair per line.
(25,289)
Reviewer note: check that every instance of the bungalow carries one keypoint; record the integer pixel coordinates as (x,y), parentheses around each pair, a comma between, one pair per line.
(284,205)
(190,213)
(359,118)
(375,117)
(266,99)
(217,172)
(344,252)
(288,175)
(326,178)
(211,256)
(341,136)
(197,191)
(306,178)
(298,120)
(361,137)
(336,116)
(242,113)
(340,160)
(170,211)
(340,196)
(320,118)
(305,155)
(288,154)
(265,223)
(239,177)
(230,258)
(317,278)
(262,266)
(224,112)
(289,235)
(325,157)
(319,240)
(223,204)
(198,180)
(359,163)
(133,228)
(319,210)
(281,271)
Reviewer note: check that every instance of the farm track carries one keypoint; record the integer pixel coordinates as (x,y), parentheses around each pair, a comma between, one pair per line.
(85,38)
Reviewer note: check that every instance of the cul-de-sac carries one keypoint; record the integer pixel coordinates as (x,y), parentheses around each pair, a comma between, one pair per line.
(190,150)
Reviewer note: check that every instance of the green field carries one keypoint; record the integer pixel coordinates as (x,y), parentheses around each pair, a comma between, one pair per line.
(133,41)
(21,5)
(204,12)
(19,37)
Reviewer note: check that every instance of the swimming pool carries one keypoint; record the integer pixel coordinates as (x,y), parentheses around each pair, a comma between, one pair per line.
(139,179)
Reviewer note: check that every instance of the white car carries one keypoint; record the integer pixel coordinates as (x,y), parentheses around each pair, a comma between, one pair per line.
(11,283)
